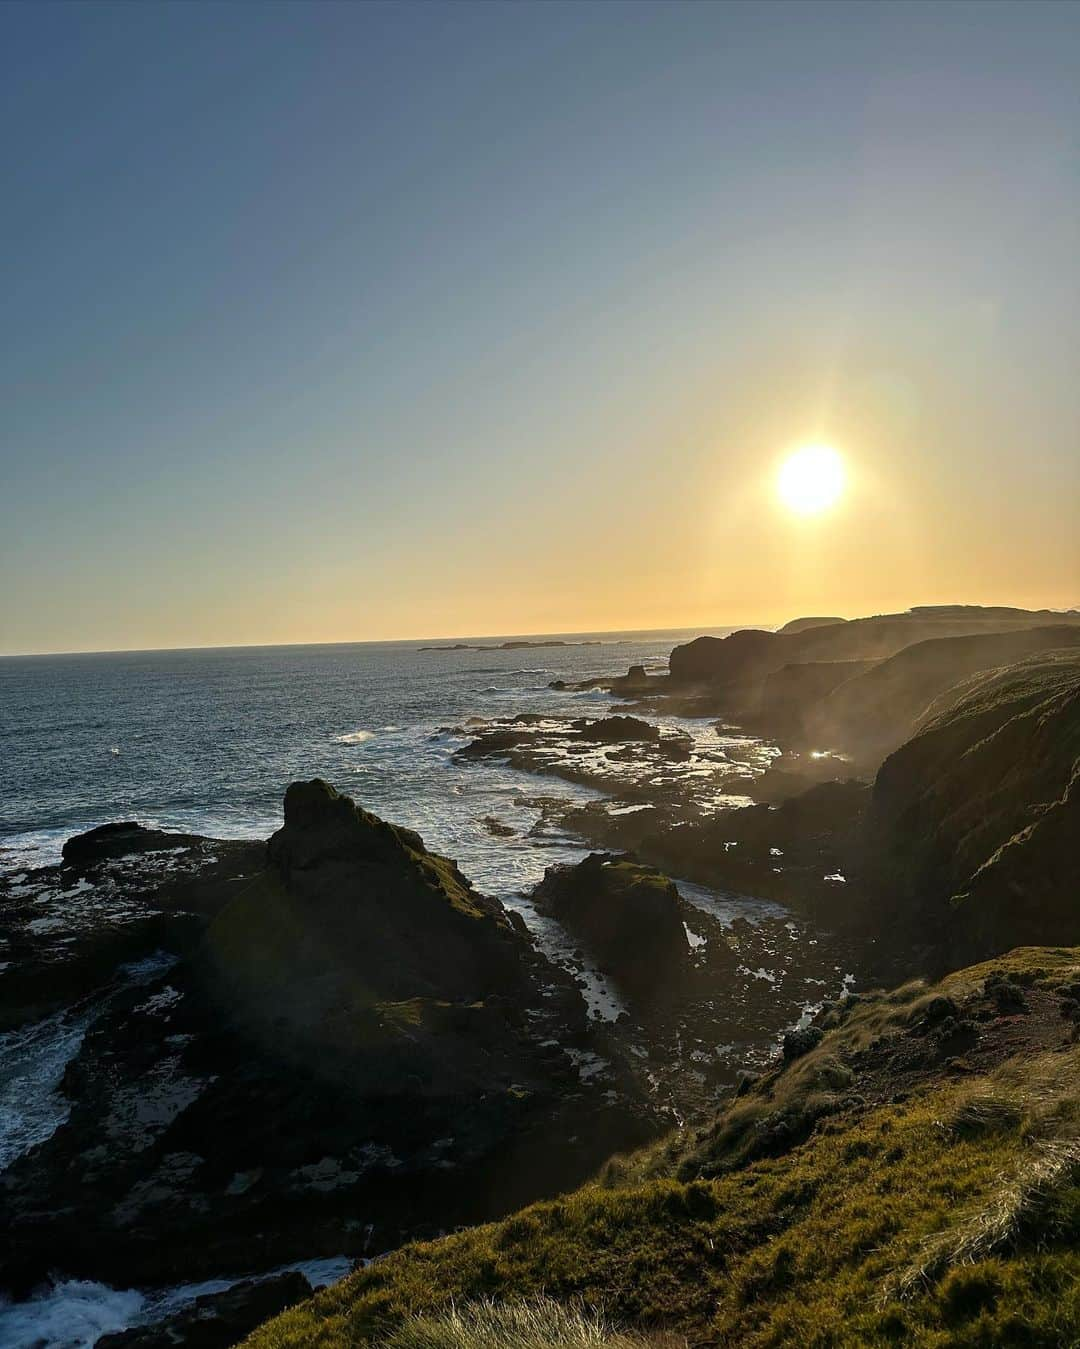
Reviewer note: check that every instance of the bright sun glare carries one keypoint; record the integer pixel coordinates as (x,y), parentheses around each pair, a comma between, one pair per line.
(811,479)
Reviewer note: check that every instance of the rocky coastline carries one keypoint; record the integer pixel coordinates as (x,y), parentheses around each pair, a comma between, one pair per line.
(330,1043)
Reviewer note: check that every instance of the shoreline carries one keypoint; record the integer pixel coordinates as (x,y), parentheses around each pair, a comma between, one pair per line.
(773,932)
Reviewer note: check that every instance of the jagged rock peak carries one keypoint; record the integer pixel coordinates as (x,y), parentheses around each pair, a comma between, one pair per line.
(323,825)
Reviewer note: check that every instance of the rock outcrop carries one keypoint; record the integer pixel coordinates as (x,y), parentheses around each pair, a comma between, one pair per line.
(627,915)
(974,821)
(593,752)
(876,711)
(351,912)
(614,730)
(733,669)
(350,1045)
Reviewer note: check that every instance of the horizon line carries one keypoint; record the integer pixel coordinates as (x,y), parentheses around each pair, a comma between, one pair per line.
(702,629)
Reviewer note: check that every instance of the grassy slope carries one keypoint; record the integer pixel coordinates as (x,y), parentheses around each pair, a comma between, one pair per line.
(936,1205)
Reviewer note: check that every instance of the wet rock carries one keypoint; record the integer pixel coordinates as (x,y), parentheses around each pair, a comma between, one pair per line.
(612,730)
(123,839)
(802,853)
(628,916)
(496,827)
(217,1320)
(334,1013)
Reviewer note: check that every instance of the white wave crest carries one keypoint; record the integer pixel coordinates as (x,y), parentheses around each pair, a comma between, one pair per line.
(32,1064)
(75,1313)
(354,737)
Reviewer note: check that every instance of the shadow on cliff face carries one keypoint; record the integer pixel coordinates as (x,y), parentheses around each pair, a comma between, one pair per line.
(859,687)
(974,821)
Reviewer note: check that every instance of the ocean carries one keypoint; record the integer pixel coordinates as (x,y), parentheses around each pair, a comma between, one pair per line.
(208,740)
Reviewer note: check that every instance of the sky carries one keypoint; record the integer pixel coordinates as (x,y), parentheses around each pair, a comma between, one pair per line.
(333,322)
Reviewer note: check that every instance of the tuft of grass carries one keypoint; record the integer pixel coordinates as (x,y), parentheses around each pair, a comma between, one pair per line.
(523,1323)
(983,1113)
(1020,1203)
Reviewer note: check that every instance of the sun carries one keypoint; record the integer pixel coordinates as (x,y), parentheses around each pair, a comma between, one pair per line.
(811,479)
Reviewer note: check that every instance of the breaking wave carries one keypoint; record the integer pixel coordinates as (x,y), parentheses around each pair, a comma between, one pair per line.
(75,1313)
(354,737)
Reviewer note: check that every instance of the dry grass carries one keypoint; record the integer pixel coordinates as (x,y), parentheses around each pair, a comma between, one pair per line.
(524,1323)
(1037,1097)
(1017,1204)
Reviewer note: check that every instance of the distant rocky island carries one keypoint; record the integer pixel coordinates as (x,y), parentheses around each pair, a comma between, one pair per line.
(849,1120)
(517,645)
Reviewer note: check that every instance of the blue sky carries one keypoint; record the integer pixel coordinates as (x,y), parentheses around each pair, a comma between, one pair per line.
(327,321)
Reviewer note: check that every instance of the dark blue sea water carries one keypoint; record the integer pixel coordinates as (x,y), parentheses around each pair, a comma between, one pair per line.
(208,740)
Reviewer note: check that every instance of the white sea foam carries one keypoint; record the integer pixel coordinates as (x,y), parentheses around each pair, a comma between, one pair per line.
(70,1315)
(32,1063)
(75,1313)
(354,737)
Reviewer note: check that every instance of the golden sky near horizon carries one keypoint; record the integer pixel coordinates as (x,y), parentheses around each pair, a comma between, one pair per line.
(501,320)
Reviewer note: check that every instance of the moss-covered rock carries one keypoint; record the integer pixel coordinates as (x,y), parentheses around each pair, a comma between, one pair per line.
(626,914)
(351,1045)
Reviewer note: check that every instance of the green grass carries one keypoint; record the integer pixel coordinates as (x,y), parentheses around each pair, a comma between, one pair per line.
(949,1219)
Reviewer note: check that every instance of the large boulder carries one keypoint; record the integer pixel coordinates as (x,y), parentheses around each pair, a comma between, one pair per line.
(627,915)
(615,730)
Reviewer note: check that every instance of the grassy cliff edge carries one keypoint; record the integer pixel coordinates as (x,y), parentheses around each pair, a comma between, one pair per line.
(911,1178)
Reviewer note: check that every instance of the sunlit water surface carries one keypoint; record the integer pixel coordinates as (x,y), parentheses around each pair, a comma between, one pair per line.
(208,741)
